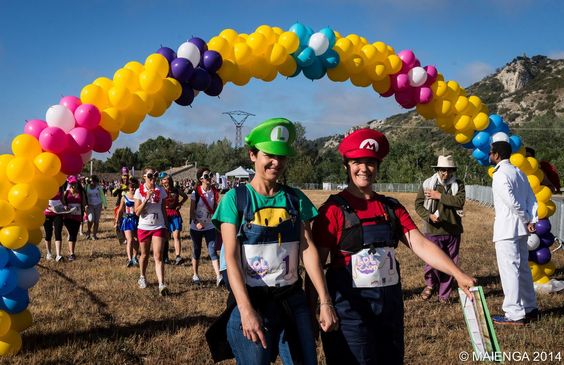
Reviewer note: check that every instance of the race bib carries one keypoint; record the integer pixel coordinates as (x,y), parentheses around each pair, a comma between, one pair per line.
(74,209)
(374,269)
(150,219)
(271,264)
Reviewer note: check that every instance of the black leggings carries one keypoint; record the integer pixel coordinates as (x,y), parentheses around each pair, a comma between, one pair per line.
(72,227)
(56,222)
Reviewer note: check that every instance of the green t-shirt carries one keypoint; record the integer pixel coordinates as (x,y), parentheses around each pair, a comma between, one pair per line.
(227,210)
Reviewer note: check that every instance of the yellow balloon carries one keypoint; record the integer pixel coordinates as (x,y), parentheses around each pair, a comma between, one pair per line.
(550,208)
(147,100)
(543,280)
(549,268)
(5,323)
(25,145)
(481,121)
(271,75)
(112,119)
(354,65)
(288,67)
(453,91)
(355,40)
(47,163)
(120,97)
(20,170)
(491,171)
(290,41)
(542,211)
(338,74)
(96,95)
(462,123)
(158,64)
(114,135)
(131,125)
(229,35)
(278,54)
(534,164)
(345,48)
(381,51)
(242,76)
(462,138)
(10,343)
(267,32)
(258,43)
(544,194)
(440,89)
(536,271)
(151,81)
(461,104)
(21,321)
(22,196)
(227,71)
(13,237)
(159,106)
(105,83)
(4,160)
(534,182)
(277,30)
(135,66)
(243,53)
(220,45)
(7,213)
(30,219)
(171,89)
(361,80)
(127,78)
(35,236)
(382,86)
(539,173)
(259,67)
(61,178)
(46,186)
(443,108)
(393,64)
(517,160)
(369,54)
(377,71)
(427,111)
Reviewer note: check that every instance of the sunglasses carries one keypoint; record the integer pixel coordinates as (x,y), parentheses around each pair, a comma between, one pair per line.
(206,176)
(150,176)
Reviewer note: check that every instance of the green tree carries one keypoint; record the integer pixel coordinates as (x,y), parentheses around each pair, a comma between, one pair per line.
(121,157)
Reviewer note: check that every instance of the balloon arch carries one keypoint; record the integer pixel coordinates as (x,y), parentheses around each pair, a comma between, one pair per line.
(50,149)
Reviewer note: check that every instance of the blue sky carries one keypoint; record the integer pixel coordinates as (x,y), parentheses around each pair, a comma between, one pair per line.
(50,49)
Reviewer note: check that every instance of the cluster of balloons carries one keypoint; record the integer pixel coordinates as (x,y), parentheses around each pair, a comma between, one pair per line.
(315,54)
(539,252)
(195,67)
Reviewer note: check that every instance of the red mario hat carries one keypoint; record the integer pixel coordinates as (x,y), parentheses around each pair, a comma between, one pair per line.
(365,143)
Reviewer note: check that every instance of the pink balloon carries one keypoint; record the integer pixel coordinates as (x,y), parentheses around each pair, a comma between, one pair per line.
(432,75)
(103,140)
(34,127)
(71,102)
(406,98)
(87,116)
(84,138)
(408,58)
(71,145)
(425,95)
(53,139)
(400,82)
(71,163)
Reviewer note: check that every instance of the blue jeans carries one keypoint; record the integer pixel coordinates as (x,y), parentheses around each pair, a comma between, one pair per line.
(197,237)
(249,353)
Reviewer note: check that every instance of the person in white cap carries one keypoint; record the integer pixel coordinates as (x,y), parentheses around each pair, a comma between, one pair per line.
(439,203)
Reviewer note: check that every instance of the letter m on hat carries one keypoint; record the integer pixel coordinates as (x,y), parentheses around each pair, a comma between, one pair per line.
(369,144)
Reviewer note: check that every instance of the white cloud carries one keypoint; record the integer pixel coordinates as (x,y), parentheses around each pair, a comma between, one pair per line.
(473,72)
(556,55)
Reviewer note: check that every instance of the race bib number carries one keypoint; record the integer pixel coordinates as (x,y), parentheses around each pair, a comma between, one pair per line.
(271,264)
(372,268)
(150,219)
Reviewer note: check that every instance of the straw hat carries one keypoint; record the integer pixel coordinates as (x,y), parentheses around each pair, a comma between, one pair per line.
(445,162)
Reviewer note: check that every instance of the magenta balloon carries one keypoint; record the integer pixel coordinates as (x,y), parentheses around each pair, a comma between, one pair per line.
(71,163)
(408,58)
(84,139)
(34,127)
(71,102)
(425,95)
(406,98)
(102,140)
(87,116)
(53,139)
(71,145)
(400,82)
(432,75)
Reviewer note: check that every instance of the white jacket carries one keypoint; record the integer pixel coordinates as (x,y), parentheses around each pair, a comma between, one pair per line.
(514,202)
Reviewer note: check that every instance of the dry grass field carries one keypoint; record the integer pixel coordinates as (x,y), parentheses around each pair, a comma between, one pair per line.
(91,311)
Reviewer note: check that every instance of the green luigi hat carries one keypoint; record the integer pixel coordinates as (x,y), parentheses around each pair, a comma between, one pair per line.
(273,136)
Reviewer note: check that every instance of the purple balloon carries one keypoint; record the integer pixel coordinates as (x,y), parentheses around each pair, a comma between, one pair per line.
(216,85)
(543,226)
(200,43)
(168,53)
(200,80)
(540,256)
(212,61)
(181,69)
(187,96)
(547,239)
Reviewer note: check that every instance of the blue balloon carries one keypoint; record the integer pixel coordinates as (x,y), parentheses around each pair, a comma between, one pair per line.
(315,71)
(547,239)
(484,162)
(298,70)
(515,142)
(4,256)
(330,59)
(8,280)
(15,301)
(541,256)
(25,257)
(26,278)
(482,140)
(328,32)
(478,154)
(496,124)
(302,33)
(306,57)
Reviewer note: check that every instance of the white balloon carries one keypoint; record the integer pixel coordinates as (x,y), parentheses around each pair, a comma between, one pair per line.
(417,76)
(190,52)
(319,43)
(60,116)
(27,277)
(499,137)
(533,242)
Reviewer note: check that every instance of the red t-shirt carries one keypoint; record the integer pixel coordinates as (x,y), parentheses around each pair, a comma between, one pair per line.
(327,227)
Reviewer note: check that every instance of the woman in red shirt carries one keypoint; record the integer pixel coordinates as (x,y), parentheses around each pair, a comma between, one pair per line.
(74,201)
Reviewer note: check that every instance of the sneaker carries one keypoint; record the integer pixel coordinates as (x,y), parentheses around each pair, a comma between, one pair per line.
(163,290)
(219,280)
(135,261)
(533,316)
(72,257)
(166,260)
(59,258)
(178,260)
(87,237)
(196,280)
(49,257)
(129,263)
(141,282)
(503,320)
(94,238)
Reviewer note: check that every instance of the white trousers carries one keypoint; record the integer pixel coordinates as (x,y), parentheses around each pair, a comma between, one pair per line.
(516,279)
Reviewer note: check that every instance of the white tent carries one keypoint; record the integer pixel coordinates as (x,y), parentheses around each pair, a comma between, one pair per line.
(240,172)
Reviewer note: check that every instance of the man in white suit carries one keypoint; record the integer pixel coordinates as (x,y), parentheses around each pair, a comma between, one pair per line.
(515,214)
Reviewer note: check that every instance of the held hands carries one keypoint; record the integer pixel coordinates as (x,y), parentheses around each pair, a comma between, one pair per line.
(252,326)
(199,226)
